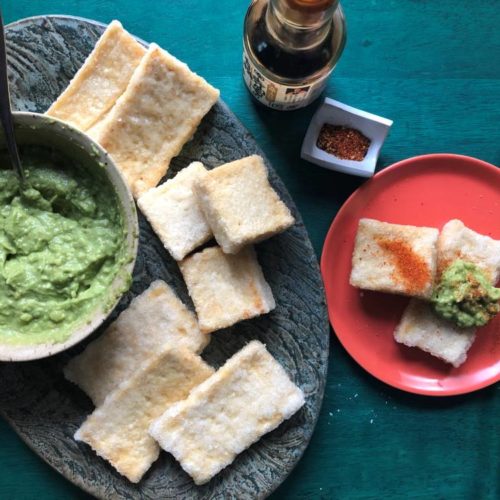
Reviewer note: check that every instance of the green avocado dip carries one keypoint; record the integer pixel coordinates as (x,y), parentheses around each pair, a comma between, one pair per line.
(465,296)
(61,246)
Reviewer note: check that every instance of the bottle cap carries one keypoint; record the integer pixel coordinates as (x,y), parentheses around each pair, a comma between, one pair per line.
(311,6)
(307,12)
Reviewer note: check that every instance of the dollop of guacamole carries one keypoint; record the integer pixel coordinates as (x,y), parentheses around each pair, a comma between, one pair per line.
(465,296)
(61,246)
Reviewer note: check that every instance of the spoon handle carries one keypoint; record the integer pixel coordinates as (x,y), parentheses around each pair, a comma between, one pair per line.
(5,111)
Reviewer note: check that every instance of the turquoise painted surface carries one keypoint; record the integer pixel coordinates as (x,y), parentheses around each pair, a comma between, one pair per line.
(432,67)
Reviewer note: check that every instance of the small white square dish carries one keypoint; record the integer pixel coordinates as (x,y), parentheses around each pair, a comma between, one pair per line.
(374,127)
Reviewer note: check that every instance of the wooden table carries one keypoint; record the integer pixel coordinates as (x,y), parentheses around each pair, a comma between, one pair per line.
(431,66)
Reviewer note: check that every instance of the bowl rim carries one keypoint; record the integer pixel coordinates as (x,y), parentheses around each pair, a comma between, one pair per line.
(29,352)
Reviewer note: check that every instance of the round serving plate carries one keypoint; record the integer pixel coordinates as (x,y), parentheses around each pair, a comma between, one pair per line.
(426,190)
(46,410)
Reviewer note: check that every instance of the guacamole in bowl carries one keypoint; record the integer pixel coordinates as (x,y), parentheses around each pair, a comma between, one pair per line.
(67,239)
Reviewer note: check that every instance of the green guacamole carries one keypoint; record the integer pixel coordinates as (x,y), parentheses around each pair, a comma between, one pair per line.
(465,296)
(61,246)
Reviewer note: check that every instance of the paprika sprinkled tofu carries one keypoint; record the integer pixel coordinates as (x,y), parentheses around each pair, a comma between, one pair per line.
(394,258)
(246,398)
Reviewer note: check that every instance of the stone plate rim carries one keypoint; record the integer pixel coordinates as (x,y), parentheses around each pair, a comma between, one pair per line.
(324,356)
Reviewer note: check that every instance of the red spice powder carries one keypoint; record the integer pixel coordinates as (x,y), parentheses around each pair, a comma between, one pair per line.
(343,142)
(411,268)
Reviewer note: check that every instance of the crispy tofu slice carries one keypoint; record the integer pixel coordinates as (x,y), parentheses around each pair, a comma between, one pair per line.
(153,321)
(420,326)
(240,205)
(118,430)
(101,80)
(248,397)
(456,241)
(157,114)
(96,128)
(394,258)
(174,214)
(226,288)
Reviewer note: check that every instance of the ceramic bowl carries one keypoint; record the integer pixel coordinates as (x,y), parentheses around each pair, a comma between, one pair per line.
(371,126)
(40,130)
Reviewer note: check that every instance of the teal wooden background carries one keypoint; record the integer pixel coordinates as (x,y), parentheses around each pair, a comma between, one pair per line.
(433,66)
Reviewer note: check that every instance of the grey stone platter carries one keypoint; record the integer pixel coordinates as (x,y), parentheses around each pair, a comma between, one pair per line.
(45,409)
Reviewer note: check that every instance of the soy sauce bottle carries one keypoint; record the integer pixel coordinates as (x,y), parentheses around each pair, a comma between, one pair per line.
(290,47)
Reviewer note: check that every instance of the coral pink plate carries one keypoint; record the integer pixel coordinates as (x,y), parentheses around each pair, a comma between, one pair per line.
(423,191)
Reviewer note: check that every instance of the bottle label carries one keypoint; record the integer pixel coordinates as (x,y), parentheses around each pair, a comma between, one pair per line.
(276,95)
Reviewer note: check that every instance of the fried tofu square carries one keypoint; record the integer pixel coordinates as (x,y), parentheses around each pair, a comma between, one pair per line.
(421,327)
(240,204)
(394,258)
(157,114)
(226,289)
(153,321)
(457,241)
(174,214)
(246,398)
(118,429)
(101,80)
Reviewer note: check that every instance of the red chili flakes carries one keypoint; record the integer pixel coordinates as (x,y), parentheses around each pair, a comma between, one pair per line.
(343,142)
(411,268)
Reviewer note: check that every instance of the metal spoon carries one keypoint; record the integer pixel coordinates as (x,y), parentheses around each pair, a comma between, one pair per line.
(5,111)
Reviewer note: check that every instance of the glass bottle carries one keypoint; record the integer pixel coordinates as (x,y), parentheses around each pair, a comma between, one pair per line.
(290,47)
